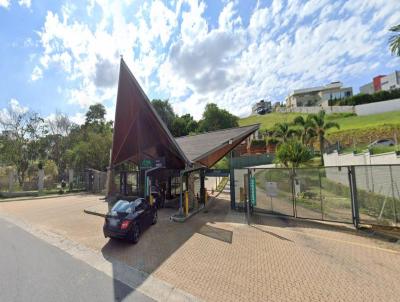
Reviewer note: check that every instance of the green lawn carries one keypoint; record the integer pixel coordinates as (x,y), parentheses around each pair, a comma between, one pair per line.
(370,121)
(269,120)
(346,123)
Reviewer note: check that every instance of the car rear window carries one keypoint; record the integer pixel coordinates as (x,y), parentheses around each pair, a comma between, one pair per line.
(124,206)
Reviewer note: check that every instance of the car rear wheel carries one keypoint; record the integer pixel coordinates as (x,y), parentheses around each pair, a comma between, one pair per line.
(134,234)
(155,217)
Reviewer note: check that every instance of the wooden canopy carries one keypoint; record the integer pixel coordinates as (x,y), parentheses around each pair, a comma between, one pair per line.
(140,134)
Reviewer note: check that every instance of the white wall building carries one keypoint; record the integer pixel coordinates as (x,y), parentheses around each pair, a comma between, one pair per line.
(382,82)
(318,96)
(391,81)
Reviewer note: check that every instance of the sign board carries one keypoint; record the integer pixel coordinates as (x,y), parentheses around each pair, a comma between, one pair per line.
(217,173)
(152,163)
(272,188)
(160,162)
(146,164)
(253,200)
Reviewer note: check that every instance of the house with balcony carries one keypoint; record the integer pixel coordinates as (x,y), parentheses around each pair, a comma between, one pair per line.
(318,96)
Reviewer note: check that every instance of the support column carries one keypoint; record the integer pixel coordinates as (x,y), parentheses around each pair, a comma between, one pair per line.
(202,187)
(190,186)
(11,177)
(181,197)
(71,179)
(169,187)
(40,180)
(232,181)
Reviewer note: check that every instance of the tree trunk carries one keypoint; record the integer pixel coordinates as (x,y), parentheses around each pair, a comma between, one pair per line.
(321,148)
(21,178)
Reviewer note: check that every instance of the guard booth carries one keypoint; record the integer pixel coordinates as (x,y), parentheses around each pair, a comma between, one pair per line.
(146,157)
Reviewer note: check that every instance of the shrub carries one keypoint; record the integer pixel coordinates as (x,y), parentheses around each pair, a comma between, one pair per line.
(258,143)
(361,98)
(272,141)
(292,153)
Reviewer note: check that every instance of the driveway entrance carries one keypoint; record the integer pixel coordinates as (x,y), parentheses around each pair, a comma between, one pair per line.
(216,256)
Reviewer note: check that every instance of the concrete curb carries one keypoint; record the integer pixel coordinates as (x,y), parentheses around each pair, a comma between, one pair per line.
(40,197)
(149,285)
(183,219)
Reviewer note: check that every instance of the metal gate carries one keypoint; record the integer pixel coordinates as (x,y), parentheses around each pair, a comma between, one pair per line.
(350,194)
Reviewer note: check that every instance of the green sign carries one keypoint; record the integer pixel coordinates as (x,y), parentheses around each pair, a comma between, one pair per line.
(153,163)
(146,164)
(253,190)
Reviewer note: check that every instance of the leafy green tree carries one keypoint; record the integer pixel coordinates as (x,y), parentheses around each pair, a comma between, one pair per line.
(183,125)
(394,40)
(90,144)
(190,124)
(292,153)
(215,118)
(165,111)
(284,131)
(96,114)
(21,134)
(58,140)
(320,126)
(307,131)
(93,152)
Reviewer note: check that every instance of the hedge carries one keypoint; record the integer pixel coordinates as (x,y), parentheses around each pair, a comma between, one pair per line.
(362,98)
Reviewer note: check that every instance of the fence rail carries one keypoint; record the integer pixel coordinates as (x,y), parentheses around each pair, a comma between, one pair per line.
(38,182)
(350,194)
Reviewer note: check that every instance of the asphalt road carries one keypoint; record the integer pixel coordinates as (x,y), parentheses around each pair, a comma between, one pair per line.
(32,270)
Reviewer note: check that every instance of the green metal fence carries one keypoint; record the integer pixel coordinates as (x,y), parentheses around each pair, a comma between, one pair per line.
(350,194)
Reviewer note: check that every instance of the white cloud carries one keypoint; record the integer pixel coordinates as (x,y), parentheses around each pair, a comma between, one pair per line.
(163,21)
(26,3)
(78,118)
(17,107)
(13,107)
(275,57)
(173,51)
(4,3)
(37,73)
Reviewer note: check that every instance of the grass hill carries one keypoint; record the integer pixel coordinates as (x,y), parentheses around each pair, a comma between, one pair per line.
(353,129)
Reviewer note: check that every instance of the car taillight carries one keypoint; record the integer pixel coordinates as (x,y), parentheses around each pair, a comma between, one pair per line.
(125,224)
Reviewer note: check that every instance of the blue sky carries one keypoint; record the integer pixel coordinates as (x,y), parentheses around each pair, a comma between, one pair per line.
(64,55)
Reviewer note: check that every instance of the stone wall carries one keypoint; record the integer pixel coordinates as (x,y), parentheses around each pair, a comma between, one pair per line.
(365,109)
(379,107)
(378,173)
(350,159)
(316,109)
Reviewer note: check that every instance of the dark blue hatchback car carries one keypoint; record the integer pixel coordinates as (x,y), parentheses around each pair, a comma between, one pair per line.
(128,219)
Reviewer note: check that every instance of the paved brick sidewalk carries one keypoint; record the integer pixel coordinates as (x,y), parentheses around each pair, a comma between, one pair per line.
(217,257)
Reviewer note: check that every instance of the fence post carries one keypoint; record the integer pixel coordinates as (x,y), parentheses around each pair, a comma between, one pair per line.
(70,179)
(292,178)
(320,193)
(393,195)
(11,177)
(353,192)
(247,199)
(40,180)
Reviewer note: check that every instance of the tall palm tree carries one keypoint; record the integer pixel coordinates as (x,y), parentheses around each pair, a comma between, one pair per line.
(394,40)
(283,131)
(320,127)
(307,131)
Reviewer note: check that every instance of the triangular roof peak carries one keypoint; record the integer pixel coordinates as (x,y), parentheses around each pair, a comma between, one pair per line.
(139,133)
